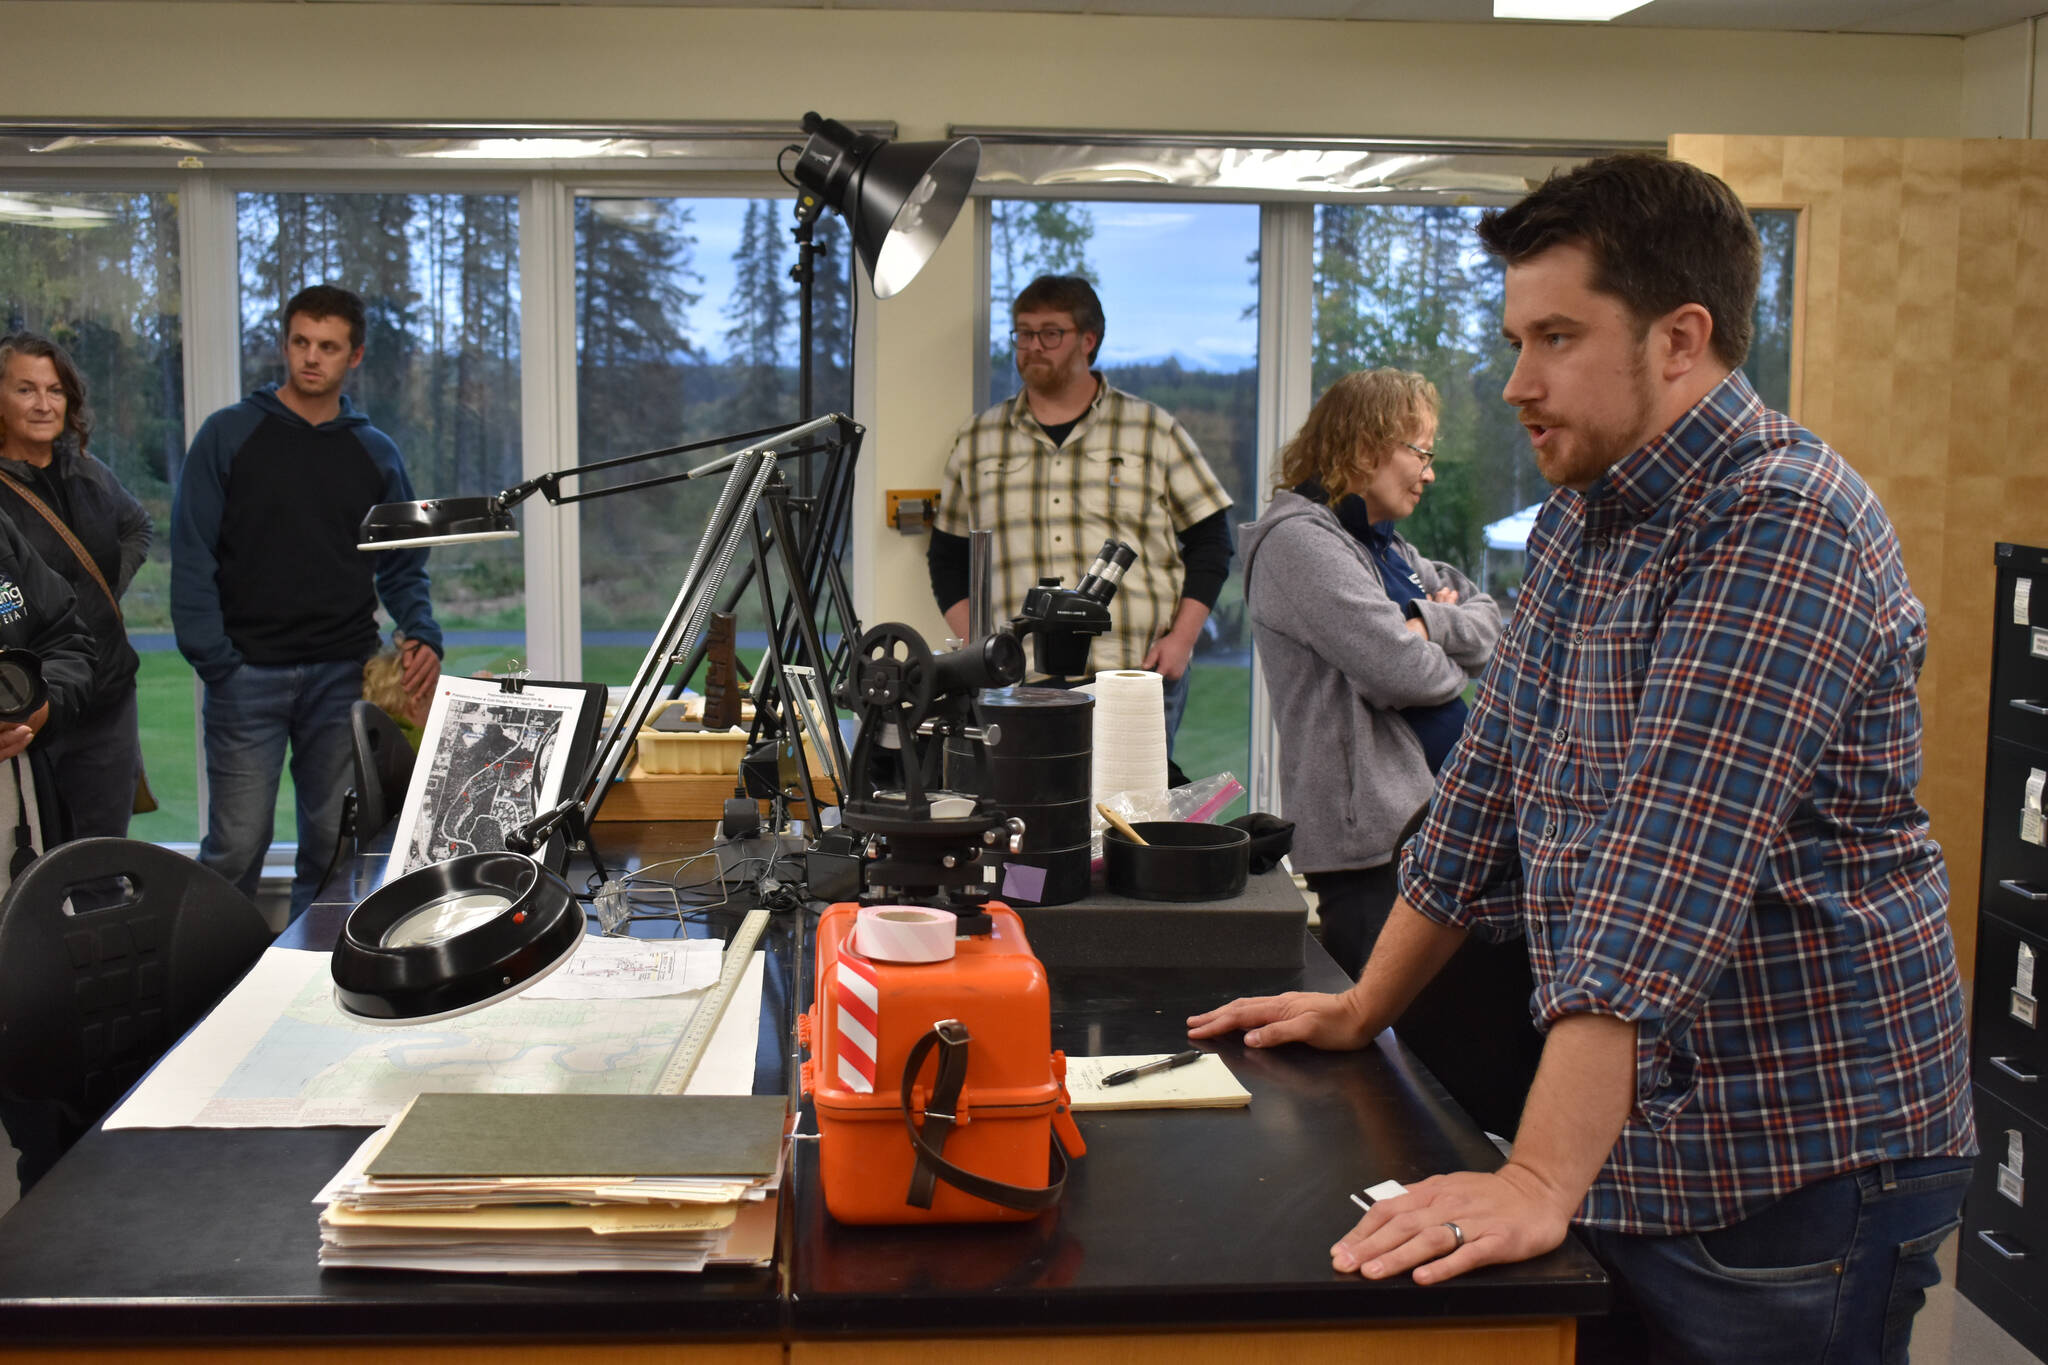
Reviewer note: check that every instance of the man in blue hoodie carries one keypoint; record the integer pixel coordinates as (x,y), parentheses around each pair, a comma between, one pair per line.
(274,605)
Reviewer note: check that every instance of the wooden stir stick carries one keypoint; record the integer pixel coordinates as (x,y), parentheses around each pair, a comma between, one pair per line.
(1121,825)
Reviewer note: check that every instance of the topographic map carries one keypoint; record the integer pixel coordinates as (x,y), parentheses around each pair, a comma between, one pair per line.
(277,1054)
(489,761)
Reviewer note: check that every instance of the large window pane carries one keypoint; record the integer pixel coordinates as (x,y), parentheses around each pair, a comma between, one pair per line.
(439,277)
(687,327)
(1410,287)
(1179,289)
(98,272)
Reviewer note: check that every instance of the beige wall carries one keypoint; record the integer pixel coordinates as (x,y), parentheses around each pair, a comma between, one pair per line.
(1998,76)
(926,70)
(106,59)
(1921,262)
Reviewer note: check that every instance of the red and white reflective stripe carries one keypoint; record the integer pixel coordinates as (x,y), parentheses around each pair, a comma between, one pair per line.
(859,1023)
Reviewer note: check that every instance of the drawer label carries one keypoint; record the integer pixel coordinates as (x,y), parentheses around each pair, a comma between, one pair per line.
(2040,644)
(2024,1009)
(2009,1182)
(2011,1186)
(2022,603)
(2023,971)
(2030,808)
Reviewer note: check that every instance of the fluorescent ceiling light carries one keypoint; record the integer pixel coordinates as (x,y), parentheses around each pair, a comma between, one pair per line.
(1581,11)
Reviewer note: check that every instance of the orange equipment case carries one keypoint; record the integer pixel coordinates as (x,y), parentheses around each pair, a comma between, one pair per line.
(988,1014)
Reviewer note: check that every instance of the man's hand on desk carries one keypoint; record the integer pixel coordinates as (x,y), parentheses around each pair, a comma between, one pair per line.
(1510,1215)
(1326,1021)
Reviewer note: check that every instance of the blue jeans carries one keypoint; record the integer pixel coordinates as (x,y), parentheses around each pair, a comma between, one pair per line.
(250,717)
(1175,694)
(1832,1272)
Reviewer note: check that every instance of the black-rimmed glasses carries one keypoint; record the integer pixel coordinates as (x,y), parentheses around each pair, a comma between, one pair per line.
(1046,337)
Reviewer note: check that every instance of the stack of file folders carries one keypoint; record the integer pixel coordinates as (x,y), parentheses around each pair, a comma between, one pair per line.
(556,1183)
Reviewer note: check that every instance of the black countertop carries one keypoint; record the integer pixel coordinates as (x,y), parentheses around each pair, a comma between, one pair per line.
(1191,1217)
(1174,1219)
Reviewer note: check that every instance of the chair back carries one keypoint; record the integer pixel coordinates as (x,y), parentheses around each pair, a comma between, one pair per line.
(109,950)
(383,768)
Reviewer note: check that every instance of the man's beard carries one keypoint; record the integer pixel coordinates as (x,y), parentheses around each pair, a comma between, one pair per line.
(1588,451)
(1050,376)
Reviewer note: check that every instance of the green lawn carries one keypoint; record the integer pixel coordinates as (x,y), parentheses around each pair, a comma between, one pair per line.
(168,708)
(1216,731)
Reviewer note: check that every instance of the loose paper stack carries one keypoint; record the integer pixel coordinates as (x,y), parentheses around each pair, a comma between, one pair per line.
(555,1183)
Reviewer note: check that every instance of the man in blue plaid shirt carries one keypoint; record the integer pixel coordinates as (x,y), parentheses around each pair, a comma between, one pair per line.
(1689,781)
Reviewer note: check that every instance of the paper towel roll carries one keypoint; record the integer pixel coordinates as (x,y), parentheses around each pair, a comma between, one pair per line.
(904,933)
(1130,733)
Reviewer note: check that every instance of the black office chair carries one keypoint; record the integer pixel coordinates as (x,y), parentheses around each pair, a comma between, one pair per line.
(383,768)
(109,950)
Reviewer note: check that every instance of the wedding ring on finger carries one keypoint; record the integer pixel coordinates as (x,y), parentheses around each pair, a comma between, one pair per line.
(1458,1233)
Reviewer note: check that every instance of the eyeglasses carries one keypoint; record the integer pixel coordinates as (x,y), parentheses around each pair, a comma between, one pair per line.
(1427,455)
(1046,337)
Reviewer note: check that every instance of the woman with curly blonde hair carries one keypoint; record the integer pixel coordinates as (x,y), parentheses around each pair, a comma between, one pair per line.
(1366,645)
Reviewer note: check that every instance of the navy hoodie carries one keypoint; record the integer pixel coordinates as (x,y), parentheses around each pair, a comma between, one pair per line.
(264,564)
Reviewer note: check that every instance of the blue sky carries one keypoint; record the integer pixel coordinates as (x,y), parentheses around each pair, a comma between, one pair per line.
(1174,279)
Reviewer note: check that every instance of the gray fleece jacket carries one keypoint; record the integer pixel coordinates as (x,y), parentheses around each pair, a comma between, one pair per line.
(1340,663)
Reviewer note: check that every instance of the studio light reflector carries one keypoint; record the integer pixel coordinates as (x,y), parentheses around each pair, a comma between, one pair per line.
(900,198)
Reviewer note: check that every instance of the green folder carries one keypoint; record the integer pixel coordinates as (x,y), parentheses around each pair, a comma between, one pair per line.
(448,1136)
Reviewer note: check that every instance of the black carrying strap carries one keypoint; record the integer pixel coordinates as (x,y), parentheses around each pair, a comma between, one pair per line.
(24,833)
(951,1038)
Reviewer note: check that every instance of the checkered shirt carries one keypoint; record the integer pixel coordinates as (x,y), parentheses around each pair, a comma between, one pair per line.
(1689,780)
(1128,472)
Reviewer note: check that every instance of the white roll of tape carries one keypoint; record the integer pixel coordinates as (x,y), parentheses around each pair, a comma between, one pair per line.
(904,933)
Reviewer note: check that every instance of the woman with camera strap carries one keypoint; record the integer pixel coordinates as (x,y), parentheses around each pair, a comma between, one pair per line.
(94,534)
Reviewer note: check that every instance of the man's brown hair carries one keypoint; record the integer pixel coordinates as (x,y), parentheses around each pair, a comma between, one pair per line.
(1661,234)
(1064,294)
(321,301)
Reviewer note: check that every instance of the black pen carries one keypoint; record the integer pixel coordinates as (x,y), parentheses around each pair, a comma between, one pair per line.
(1131,1073)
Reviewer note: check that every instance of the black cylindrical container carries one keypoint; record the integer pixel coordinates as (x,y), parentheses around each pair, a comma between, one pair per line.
(1059,824)
(1177,862)
(1039,720)
(1040,781)
(1066,874)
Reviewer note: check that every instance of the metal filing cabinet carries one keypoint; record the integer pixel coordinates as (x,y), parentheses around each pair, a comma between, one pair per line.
(2002,1264)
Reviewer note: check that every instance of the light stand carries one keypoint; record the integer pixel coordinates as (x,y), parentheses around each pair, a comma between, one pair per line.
(460,934)
(899,199)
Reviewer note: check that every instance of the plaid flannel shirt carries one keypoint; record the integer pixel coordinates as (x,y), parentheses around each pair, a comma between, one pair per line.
(1689,779)
(1128,472)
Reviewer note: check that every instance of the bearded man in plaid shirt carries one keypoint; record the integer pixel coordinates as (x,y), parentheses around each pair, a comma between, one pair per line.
(1073,461)
(1688,781)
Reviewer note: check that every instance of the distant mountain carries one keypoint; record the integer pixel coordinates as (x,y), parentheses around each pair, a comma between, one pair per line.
(1223,363)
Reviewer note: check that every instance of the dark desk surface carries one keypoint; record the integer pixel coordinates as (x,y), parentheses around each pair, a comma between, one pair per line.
(1193,1217)
(1174,1219)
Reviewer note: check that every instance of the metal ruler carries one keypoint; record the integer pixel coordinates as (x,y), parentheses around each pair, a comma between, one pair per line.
(739,952)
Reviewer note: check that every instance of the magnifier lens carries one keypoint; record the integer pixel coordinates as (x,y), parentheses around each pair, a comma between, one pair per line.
(452,915)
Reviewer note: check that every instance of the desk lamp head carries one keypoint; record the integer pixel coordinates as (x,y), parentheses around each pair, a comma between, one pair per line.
(453,937)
